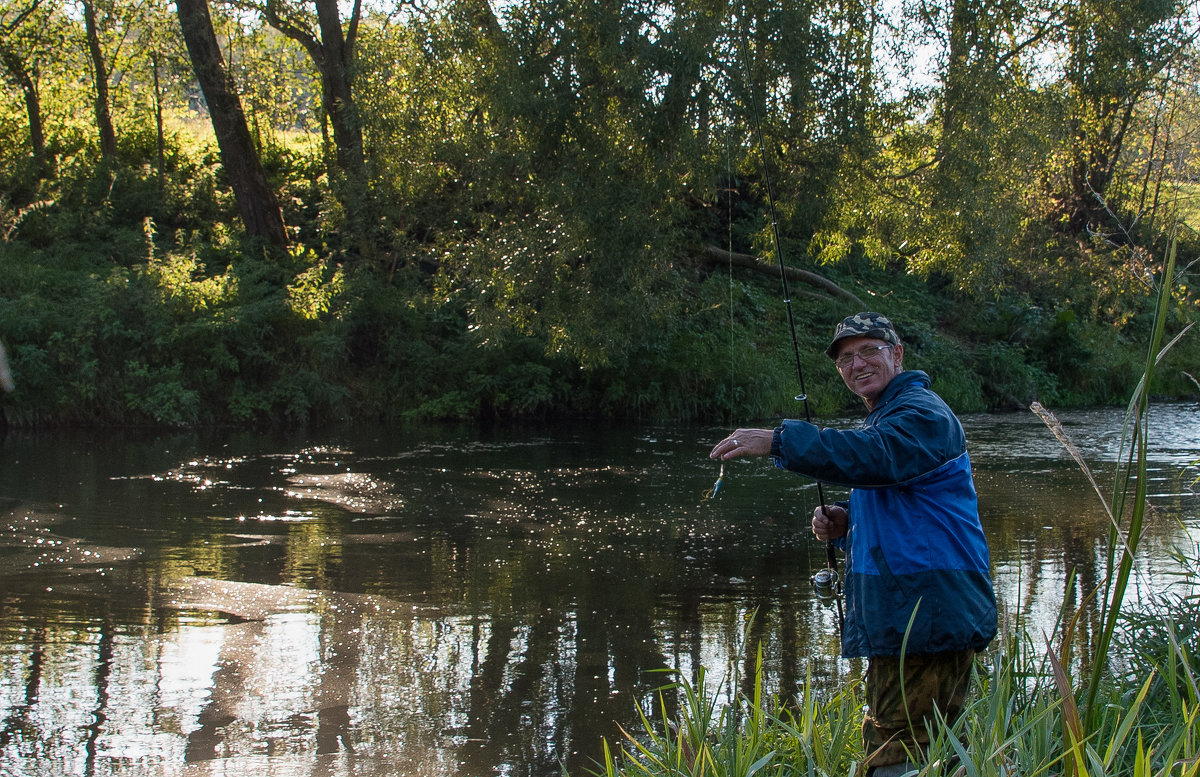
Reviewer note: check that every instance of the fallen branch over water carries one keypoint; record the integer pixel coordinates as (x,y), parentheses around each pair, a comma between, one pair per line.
(712,255)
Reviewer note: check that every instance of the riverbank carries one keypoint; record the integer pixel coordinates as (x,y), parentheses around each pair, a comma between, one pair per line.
(191,338)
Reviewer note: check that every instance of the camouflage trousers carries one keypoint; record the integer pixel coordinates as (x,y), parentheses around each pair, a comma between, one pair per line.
(894,726)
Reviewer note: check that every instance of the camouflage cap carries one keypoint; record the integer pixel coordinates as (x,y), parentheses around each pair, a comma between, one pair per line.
(863,325)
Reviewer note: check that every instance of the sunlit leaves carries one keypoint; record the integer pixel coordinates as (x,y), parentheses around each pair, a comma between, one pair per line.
(313,291)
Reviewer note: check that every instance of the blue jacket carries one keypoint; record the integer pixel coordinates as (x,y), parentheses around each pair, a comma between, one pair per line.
(914,540)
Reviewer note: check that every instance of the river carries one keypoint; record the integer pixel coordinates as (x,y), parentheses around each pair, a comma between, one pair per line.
(449,601)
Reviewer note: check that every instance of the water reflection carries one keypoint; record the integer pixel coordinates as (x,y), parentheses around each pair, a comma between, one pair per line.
(451,603)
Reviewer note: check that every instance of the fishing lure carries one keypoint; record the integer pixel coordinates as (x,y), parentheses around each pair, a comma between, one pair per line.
(716,489)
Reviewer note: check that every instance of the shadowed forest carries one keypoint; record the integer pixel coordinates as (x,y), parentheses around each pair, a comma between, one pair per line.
(302,212)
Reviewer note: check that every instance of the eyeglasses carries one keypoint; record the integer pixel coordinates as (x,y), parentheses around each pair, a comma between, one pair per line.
(866,354)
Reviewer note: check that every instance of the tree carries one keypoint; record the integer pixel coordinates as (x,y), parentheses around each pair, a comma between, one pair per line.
(20,48)
(256,202)
(1115,48)
(103,113)
(316,25)
(332,51)
(613,124)
(1160,152)
(986,138)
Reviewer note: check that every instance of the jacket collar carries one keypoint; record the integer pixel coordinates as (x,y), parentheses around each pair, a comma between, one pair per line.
(899,384)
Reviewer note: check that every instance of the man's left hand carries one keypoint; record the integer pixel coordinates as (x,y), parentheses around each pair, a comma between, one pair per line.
(744,442)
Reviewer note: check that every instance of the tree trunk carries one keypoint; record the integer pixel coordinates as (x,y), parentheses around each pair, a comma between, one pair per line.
(482,19)
(33,104)
(1094,160)
(956,80)
(104,125)
(21,75)
(160,134)
(336,78)
(1115,53)
(333,55)
(256,202)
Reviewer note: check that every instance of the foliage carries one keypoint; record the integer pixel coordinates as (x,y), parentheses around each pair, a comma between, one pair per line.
(540,189)
(166,343)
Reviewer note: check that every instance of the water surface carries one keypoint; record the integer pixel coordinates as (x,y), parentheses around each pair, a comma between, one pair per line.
(454,602)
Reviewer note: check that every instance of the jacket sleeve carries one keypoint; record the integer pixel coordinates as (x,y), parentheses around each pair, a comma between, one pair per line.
(900,445)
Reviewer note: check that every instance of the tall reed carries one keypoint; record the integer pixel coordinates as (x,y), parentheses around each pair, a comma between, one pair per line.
(1127,507)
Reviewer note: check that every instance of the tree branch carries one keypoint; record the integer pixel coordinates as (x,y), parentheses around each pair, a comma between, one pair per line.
(714,256)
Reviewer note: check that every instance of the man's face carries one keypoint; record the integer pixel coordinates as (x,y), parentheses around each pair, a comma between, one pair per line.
(867,368)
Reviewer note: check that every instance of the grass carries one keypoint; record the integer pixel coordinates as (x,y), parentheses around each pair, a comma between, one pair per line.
(1134,711)
(751,736)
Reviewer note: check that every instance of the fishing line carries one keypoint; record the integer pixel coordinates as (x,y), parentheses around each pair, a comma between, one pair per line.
(827,579)
(729,231)
(716,489)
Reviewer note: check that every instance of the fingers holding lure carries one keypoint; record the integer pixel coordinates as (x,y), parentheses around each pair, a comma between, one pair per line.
(743,442)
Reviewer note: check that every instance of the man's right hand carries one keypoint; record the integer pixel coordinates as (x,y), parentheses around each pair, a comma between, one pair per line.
(830,522)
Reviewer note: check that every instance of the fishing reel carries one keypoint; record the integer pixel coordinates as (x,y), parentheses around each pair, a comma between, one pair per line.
(825,581)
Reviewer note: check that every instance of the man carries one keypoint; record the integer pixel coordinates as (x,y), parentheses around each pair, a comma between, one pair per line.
(919,598)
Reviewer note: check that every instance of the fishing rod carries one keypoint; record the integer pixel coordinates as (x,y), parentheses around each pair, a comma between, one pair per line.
(825,580)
